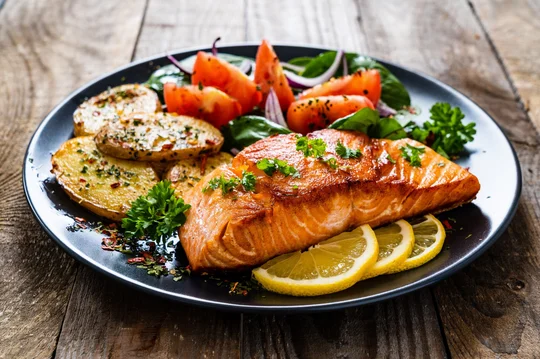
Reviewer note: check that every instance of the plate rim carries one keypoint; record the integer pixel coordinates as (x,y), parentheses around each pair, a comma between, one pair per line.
(253,308)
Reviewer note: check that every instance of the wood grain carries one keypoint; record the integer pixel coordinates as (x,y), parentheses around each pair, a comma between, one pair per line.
(46,52)
(106,319)
(514,28)
(491,308)
(405,327)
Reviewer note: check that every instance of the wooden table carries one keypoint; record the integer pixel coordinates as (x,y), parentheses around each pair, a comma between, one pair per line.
(51,306)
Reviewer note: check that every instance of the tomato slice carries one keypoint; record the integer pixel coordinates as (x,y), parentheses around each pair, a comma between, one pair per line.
(269,74)
(207,103)
(210,70)
(366,83)
(316,113)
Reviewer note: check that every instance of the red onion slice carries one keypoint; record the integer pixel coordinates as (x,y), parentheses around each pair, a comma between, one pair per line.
(385,110)
(178,64)
(345,65)
(298,81)
(292,67)
(245,66)
(272,109)
(214,48)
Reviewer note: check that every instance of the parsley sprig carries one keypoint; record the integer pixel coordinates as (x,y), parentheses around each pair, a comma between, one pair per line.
(269,166)
(345,152)
(157,215)
(311,147)
(247,181)
(446,134)
(412,154)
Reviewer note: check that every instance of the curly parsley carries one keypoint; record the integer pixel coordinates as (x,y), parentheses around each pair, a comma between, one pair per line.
(449,133)
(345,152)
(269,166)
(156,215)
(311,148)
(412,154)
(248,181)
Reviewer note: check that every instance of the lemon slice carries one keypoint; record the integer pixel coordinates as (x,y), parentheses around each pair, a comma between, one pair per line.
(330,266)
(429,235)
(396,243)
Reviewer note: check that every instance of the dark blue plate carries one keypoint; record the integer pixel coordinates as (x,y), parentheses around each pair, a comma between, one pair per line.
(477,225)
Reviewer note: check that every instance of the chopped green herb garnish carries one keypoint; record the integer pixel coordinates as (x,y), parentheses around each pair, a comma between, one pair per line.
(345,152)
(248,181)
(84,169)
(390,159)
(226,185)
(441,164)
(412,154)
(269,166)
(156,215)
(331,162)
(311,148)
(200,86)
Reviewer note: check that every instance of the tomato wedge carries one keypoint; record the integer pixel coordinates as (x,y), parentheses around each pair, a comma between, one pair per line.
(316,113)
(366,83)
(269,74)
(207,103)
(210,70)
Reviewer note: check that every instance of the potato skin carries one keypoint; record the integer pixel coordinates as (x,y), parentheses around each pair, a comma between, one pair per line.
(185,174)
(158,137)
(112,104)
(103,184)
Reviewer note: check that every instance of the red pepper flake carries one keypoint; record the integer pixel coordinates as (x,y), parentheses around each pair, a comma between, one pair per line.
(447,224)
(147,255)
(210,142)
(135,260)
(80,219)
(108,244)
(80,225)
(103,163)
(91,160)
(204,159)
(115,185)
(244,292)
(167,146)
(161,260)
(112,226)
(152,246)
(82,180)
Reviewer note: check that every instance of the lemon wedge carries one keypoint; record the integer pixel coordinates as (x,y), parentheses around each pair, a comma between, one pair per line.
(328,267)
(396,242)
(429,235)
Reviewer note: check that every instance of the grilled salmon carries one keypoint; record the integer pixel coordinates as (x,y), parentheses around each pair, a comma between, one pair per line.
(242,229)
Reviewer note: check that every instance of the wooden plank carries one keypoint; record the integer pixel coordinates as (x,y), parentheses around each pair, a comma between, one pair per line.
(514,28)
(105,319)
(47,50)
(491,308)
(360,332)
(405,327)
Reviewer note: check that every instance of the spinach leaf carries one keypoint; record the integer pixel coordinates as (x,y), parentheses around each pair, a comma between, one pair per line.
(394,94)
(368,121)
(246,130)
(362,120)
(169,73)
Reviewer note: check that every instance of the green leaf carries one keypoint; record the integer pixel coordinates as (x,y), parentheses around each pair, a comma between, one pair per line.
(248,181)
(388,128)
(269,166)
(412,154)
(169,73)
(362,120)
(311,147)
(246,130)
(226,185)
(345,152)
(156,215)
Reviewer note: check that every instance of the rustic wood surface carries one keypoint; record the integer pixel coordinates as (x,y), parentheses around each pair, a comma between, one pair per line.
(52,307)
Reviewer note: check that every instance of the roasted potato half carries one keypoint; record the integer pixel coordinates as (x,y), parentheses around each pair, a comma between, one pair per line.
(103,184)
(111,105)
(158,137)
(186,173)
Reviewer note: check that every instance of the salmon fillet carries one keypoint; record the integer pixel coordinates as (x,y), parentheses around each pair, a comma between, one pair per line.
(244,229)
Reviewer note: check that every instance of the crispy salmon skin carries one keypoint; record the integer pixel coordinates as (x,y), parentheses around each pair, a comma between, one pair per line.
(242,229)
